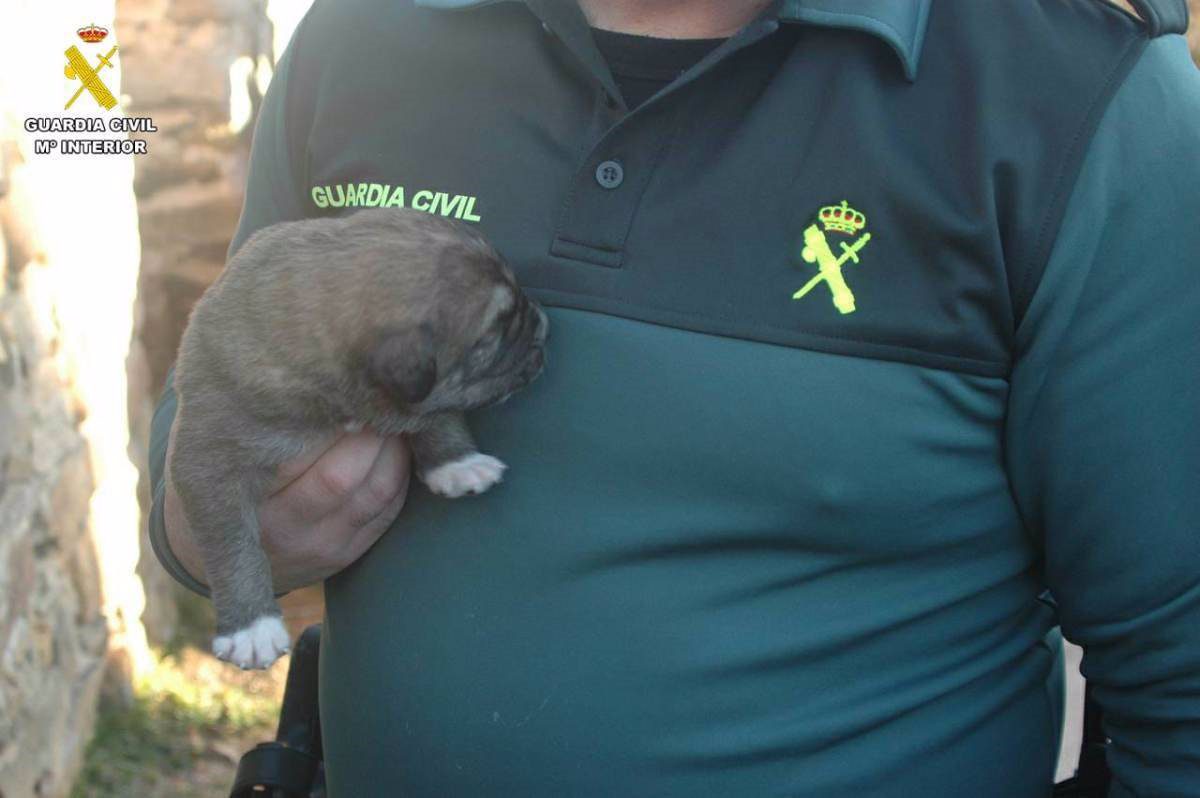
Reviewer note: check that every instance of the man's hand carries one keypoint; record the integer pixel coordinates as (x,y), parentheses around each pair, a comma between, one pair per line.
(325,509)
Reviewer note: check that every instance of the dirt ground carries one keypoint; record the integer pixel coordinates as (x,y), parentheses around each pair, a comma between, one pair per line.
(191,718)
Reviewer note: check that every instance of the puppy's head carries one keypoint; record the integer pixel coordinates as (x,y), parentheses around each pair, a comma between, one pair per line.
(505,353)
(479,339)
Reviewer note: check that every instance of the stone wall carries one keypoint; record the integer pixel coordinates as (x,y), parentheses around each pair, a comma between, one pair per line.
(1194,29)
(52,632)
(189,186)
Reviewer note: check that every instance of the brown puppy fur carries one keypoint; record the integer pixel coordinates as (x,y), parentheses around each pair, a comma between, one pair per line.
(387,318)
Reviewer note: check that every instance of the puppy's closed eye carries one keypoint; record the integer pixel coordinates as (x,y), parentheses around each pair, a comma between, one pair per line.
(404,361)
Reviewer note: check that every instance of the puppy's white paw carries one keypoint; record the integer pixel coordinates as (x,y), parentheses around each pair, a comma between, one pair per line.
(256,646)
(474,473)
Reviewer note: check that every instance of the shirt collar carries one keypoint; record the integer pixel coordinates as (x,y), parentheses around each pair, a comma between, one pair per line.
(900,23)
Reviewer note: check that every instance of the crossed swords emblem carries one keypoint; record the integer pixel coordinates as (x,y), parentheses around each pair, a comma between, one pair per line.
(817,250)
(78,67)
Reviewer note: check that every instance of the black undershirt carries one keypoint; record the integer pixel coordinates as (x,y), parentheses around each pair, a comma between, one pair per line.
(641,65)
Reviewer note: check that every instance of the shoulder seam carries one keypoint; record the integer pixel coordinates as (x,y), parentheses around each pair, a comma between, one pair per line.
(1068,174)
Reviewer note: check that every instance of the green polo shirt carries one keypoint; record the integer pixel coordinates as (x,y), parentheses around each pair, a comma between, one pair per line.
(869,328)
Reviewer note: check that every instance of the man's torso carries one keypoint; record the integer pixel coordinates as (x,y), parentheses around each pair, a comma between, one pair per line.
(756,537)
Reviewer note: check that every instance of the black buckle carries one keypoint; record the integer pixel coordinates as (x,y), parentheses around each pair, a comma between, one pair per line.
(273,769)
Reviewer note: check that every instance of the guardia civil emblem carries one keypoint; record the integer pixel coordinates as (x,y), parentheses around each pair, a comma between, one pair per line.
(838,220)
(78,68)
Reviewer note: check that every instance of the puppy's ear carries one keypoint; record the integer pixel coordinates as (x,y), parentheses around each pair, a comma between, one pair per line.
(404,361)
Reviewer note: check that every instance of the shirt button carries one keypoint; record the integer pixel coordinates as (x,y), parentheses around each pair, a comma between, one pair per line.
(609,174)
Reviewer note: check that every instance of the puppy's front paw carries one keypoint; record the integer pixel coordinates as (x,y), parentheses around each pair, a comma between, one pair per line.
(256,646)
(474,473)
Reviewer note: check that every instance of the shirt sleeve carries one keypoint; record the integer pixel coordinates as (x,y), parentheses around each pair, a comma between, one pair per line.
(1103,430)
(274,193)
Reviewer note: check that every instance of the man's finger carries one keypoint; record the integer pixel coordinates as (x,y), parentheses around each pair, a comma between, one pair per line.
(381,486)
(293,469)
(366,535)
(326,486)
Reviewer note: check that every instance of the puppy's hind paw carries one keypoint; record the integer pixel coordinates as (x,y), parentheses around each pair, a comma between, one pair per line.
(256,646)
(474,473)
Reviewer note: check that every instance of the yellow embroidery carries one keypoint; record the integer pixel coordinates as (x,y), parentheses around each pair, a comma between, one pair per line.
(836,219)
(78,68)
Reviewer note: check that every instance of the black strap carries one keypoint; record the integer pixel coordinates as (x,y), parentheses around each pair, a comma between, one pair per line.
(1163,16)
(1093,773)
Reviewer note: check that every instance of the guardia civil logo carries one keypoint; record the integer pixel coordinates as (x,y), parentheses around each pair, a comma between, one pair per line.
(839,220)
(386,195)
(78,68)
(91,86)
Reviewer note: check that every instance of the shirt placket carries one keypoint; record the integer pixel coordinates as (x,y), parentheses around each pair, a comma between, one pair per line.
(623,148)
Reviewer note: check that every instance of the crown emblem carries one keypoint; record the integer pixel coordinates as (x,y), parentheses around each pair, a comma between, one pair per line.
(842,219)
(92,33)
(830,259)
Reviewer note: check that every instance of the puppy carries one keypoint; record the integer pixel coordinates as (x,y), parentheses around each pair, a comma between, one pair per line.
(389,319)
